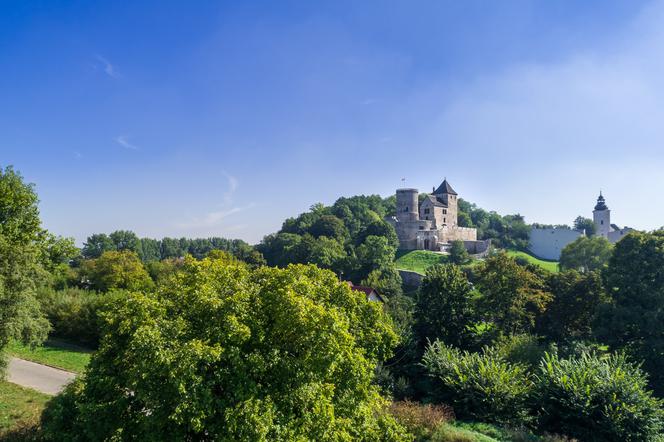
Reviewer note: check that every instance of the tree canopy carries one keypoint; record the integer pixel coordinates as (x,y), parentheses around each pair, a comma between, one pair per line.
(229,353)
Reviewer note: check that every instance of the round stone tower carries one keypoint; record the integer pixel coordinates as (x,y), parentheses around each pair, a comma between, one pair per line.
(407,205)
(602,217)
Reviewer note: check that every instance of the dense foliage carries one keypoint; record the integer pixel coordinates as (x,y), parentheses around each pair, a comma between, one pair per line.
(229,353)
(350,238)
(586,254)
(480,386)
(509,231)
(597,399)
(150,250)
(633,319)
(23,253)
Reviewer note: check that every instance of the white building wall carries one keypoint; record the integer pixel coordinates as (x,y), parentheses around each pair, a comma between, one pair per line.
(602,219)
(548,243)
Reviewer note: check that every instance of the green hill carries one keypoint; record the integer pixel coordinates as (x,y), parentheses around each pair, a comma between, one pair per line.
(551,266)
(418,260)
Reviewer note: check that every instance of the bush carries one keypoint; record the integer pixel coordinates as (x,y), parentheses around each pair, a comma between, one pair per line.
(597,399)
(73,313)
(522,349)
(421,420)
(481,386)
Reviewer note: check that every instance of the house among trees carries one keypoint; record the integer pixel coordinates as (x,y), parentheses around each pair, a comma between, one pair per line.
(372,294)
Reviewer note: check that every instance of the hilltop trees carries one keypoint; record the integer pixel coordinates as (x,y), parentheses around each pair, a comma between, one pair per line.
(23,252)
(350,238)
(116,270)
(230,353)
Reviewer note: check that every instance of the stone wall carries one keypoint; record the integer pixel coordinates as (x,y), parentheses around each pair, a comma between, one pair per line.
(411,279)
(478,249)
(548,243)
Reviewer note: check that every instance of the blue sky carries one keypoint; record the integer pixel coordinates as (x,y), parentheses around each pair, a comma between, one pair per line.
(215,118)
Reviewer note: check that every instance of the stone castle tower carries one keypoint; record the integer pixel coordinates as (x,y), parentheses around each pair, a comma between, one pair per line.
(433,223)
(602,218)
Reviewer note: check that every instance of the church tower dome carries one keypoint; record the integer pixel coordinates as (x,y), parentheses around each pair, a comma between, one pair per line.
(602,217)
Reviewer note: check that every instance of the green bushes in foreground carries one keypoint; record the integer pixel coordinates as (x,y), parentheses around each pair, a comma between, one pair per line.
(481,386)
(597,399)
(588,397)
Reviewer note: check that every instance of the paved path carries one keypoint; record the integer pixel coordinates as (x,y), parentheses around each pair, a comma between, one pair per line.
(42,378)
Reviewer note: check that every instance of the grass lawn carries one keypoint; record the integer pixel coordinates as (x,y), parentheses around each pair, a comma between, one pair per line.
(418,260)
(55,353)
(551,266)
(19,407)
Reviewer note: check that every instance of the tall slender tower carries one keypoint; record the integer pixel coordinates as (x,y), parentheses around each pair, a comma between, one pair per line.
(602,217)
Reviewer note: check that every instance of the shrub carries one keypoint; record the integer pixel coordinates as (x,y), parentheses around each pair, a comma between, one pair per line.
(523,349)
(597,399)
(481,386)
(421,420)
(73,313)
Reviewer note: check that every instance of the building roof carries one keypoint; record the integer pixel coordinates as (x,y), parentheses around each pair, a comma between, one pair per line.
(435,201)
(445,188)
(368,291)
(601,203)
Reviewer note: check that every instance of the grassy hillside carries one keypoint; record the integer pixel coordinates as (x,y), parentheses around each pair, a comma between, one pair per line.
(19,408)
(418,260)
(551,266)
(55,353)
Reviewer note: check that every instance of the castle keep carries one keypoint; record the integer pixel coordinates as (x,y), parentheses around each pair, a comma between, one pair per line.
(432,224)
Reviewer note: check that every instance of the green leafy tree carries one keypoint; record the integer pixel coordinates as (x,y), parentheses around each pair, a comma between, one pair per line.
(125,240)
(96,245)
(21,261)
(374,253)
(386,280)
(585,225)
(633,319)
(228,353)
(576,300)
(444,306)
(116,270)
(458,253)
(329,226)
(586,254)
(512,296)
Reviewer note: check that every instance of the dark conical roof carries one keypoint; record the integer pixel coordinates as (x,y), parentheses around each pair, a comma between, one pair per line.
(444,188)
(601,203)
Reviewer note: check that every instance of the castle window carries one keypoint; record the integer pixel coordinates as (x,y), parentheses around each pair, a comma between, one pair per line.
(426,210)
(444,220)
(406,209)
(421,227)
(602,222)
(444,211)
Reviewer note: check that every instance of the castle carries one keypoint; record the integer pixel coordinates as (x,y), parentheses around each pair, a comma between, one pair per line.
(548,243)
(432,224)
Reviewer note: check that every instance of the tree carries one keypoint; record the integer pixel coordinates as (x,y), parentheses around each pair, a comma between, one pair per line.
(229,353)
(576,300)
(386,280)
(96,245)
(374,253)
(633,319)
(116,270)
(585,225)
(21,259)
(586,254)
(330,226)
(444,306)
(458,253)
(512,296)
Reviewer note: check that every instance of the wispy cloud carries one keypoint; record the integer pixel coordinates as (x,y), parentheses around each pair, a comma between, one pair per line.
(215,218)
(123,141)
(107,67)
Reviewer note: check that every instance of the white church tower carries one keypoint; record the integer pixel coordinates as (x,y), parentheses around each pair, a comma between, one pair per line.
(602,218)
